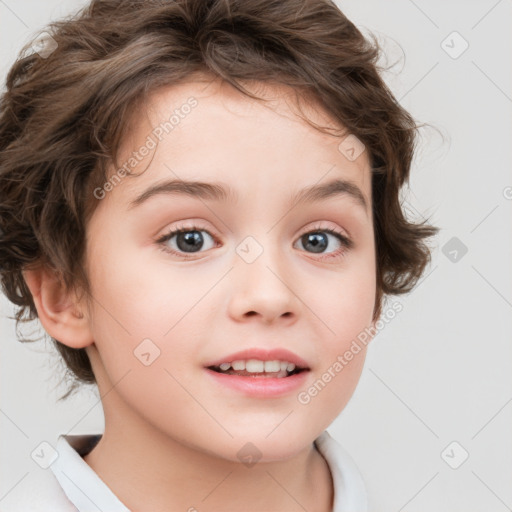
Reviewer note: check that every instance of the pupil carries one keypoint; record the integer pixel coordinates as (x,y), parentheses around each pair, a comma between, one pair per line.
(191,240)
(318,241)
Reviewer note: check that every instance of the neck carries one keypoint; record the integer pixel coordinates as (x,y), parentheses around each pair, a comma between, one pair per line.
(148,470)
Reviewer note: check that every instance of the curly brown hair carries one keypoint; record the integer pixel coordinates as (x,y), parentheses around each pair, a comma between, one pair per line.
(66,108)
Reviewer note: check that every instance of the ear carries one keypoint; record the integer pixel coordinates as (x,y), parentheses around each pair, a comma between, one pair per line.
(59,312)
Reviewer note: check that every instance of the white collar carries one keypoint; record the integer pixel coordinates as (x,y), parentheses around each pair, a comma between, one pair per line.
(82,485)
(88,493)
(349,489)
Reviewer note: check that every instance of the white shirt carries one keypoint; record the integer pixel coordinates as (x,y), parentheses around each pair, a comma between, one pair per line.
(73,486)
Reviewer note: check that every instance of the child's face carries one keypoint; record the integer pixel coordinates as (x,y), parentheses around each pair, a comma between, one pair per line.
(312,302)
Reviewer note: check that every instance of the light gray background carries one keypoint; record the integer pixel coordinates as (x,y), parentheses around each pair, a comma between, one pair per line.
(441,370)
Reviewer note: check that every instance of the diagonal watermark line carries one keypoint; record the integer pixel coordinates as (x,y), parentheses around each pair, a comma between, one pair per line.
(419,81)
(424,13)
(484,218)
(300,299)
(280,423)
(14,423)
(491,490)
(485,15)
(11,489)
(425,278)
(294,205)
(221,482)
(506,403)
(491,286)
(100,399)
(81,490)
(3,3)
(213,286)
(205,409)
(404,404)
(492,81)
(286,491)
(407,204)
(110,314)
(418,492)
(197,197)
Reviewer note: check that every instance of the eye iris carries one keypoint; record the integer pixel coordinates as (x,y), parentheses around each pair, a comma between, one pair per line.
(318,241)
(189,241)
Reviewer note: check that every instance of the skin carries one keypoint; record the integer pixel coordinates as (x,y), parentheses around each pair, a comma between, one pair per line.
(171,435)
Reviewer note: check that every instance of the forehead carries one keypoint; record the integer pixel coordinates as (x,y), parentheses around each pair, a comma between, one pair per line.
(213,91)
(207,130)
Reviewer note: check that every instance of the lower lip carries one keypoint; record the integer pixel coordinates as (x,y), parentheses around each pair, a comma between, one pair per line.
(260,387)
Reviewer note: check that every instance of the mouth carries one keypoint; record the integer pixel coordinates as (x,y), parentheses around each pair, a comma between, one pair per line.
(258,379)
(253,368)
(277,363)
(259,373)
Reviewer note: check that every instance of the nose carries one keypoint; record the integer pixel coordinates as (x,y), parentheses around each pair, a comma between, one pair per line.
(262,290)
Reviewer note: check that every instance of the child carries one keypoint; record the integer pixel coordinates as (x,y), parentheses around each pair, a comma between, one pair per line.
(200,204)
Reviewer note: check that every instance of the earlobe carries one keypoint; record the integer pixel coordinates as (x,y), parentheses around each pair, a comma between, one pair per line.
(58,310)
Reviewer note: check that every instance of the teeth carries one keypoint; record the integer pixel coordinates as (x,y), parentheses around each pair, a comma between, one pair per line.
(254,366)
(257,366)
(238,365)
(272,366)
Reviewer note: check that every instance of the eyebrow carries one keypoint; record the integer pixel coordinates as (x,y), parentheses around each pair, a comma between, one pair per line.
(222,192)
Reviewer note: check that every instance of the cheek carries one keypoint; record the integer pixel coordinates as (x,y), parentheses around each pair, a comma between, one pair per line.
(145,312)
(143,294)
(351,306)
(345,308)
(346,314)
(343,303)
(334,386)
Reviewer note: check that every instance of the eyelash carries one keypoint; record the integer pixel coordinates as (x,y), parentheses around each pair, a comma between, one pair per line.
(346,243)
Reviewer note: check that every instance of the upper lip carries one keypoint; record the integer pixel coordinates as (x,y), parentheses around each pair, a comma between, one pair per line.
(279,354)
